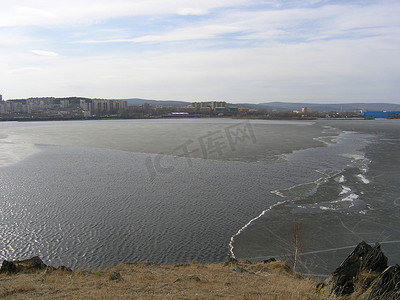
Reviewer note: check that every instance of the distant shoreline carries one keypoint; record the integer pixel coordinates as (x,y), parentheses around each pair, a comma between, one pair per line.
(41,119)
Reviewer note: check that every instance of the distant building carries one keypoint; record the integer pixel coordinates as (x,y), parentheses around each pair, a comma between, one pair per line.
(64,103)
(306,110)
(213,105)
(72,106)
(382,114)
(198,105)
(100,106)
(205,109)
(2,105)
(39,104)
(180,114)
(146,107)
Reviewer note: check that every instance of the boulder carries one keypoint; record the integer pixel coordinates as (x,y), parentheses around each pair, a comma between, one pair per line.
(362,258)
(26,265)
(8,267)
(115,276)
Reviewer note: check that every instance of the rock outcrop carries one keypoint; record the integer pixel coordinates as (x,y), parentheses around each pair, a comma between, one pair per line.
(366,271)
(26,265)
(29,265)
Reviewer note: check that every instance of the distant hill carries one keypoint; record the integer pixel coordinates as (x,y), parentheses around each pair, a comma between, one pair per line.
(344,107)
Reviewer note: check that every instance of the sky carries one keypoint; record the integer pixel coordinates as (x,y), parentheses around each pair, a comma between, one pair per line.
(239,51)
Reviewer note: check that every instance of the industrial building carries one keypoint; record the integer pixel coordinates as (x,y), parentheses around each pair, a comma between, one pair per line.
(382,114)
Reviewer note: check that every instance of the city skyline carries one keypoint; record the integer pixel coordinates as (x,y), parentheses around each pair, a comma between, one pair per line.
(236,51)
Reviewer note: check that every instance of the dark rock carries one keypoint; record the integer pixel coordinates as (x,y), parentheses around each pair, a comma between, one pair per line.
(269,260)
(115,276)
(363,257)
(33,263)
(30,264)
(26,265)
(8,267)
(386,286)
(375,260)
(344,275)
(194,277)
(178,280)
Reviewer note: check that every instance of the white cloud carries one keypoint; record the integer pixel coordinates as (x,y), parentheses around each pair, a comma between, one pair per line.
(49,12)
(192,11)
(15,40)
(199,32)
(45,53)
(299,24)
(190,33)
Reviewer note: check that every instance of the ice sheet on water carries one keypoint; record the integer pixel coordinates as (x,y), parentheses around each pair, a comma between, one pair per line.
(363,179)
(12,152)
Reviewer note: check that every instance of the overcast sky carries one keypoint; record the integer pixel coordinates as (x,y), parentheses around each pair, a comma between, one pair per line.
(231,50)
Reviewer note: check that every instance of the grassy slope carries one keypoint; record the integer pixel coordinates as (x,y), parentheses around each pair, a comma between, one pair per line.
(150,281)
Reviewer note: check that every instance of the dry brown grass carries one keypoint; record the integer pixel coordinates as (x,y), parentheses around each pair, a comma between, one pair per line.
(149,281)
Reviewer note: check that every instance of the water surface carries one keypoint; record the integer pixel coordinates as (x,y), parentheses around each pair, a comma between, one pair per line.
(90,194)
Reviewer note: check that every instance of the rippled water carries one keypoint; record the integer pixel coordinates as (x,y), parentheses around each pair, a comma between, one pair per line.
(92,194)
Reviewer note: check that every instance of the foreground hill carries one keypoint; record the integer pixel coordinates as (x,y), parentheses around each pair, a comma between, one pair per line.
(364,275)
(236,280)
